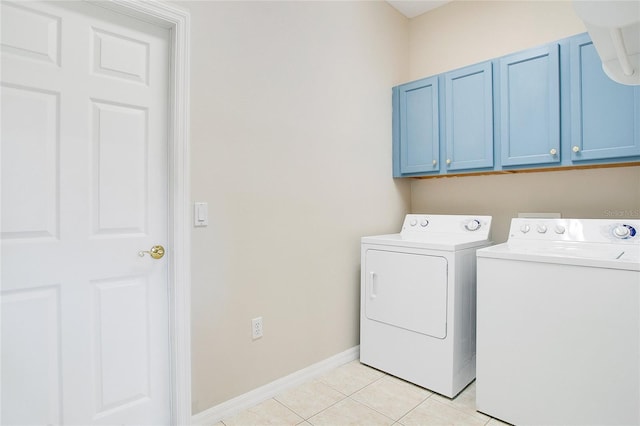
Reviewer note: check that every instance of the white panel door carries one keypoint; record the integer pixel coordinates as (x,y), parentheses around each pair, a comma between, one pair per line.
(407,290)
(84,189)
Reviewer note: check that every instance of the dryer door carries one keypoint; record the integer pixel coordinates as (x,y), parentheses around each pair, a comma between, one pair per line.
(407,290)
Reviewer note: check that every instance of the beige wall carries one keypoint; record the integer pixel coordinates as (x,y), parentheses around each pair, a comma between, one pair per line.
(592,193)
(467,32)
(291,148)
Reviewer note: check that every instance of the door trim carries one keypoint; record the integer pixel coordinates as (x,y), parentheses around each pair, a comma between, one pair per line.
(177,21)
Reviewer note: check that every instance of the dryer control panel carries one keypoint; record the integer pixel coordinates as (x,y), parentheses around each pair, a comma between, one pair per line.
(431,224)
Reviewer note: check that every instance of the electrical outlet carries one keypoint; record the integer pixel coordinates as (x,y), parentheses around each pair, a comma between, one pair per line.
(256,328)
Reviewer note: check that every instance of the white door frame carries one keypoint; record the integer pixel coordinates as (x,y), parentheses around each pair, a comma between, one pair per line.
(177,21)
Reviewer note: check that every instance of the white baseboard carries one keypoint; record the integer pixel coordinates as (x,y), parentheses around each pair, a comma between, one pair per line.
(258,395)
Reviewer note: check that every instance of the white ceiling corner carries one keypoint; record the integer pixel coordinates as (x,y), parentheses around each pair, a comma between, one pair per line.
(413,8)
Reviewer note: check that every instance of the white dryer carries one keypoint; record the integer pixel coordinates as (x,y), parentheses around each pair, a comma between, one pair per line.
(559,323)
(418,300)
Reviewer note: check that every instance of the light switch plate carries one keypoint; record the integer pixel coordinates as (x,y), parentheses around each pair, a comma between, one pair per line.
(200,214)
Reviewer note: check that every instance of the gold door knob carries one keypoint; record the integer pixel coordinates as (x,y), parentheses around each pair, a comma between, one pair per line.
(156,252)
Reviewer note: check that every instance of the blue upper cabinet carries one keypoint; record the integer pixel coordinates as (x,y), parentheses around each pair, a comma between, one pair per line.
(468,112)
(529,104)
(416,127)
(605,116)
(554,106)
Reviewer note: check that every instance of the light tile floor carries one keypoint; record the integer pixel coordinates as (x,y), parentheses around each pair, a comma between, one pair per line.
(355,394)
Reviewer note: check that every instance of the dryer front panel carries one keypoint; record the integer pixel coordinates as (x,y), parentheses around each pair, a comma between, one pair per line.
(407,290)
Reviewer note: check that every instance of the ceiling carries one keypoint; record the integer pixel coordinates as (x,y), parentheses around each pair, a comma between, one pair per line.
(413,8)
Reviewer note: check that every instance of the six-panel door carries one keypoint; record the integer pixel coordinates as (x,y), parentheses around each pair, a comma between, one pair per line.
(84,189)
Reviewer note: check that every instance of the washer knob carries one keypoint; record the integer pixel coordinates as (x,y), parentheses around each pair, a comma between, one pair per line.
(413,222)
(424,223)
(525,228)
(542,229)
(622,231)
(560,229)
(473,225)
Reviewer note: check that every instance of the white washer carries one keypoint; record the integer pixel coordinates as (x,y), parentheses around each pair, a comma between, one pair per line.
(559,323)
(417,312)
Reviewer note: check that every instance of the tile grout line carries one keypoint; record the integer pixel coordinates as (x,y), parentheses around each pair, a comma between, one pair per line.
(371,408)
(431,393)
(464,409)
(415,407)
(348,396)
(306,419)
(290,409)
(345,397)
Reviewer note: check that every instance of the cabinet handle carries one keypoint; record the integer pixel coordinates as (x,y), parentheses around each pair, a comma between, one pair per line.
(553,152)
(448,161)
(434,162)
(575,148)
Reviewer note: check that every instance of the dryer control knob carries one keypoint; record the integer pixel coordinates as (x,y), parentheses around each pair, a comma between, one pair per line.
(542,229)
(622,231)
(525,228)
(473,225)
(424,223)
(560,229)
(413,222)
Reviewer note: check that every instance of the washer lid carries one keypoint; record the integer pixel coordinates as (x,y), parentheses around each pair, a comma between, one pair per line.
(612,256)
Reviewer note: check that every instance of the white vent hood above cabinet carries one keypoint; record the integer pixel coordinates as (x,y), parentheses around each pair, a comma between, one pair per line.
(614,27)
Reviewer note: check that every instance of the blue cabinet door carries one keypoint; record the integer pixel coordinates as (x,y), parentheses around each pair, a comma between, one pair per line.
(605,115)
(469,117)
(530,107)
(418,131)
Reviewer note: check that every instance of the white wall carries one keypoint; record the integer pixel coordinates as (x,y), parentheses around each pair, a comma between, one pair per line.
(466,32)
(291,148)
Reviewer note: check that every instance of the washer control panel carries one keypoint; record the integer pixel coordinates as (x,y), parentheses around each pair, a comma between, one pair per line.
(578,230)
(425,224)
(624,231)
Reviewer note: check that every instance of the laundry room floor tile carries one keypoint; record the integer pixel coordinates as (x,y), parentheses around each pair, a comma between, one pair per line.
(355,394)
(350,412)
(270,412)
(465,401)
(310,398)
(496,422)
(435,413)
(391,396)
(351,377)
